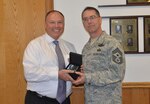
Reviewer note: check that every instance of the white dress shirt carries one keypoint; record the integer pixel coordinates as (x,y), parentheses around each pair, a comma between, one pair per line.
(41,65)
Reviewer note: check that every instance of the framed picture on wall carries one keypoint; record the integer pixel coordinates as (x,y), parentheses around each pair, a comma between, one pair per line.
(147,34)
(138,2)
(125,30)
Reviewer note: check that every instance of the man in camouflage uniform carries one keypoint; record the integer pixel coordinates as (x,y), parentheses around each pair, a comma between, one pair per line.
(103,63)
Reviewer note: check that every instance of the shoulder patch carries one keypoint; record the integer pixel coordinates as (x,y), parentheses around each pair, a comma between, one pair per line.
(117,56)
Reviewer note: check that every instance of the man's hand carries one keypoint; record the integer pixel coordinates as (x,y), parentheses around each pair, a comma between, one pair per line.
(80,79)
(64,75)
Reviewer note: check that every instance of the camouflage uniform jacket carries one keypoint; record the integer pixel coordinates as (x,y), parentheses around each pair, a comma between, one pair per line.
(104,63)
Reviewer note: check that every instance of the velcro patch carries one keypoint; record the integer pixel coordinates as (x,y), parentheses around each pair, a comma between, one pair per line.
(117,56)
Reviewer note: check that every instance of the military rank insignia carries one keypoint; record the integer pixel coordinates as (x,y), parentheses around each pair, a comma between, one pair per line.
(98,50)
(117,56)
(99,45)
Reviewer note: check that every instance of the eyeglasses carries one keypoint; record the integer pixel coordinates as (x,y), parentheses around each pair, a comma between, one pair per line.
(91,18)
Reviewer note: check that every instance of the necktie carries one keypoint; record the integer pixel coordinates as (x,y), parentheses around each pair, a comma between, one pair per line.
(61,91)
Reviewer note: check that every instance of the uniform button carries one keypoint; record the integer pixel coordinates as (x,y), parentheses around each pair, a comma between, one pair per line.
(89,83)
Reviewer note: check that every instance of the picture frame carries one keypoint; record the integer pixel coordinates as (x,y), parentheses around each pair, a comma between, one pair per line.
(147,34)
(138,2)
(125,30)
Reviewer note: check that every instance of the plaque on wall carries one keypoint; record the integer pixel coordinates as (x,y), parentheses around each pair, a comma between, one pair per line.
(125,30)
(146,34)
(138,2)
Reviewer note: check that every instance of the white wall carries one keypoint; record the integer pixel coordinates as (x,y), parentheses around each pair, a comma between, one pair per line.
(138,65)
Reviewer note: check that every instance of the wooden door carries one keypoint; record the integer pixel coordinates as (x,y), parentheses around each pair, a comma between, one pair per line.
(20,21)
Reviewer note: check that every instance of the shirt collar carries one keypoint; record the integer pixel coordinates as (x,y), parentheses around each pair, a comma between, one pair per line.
(49,39)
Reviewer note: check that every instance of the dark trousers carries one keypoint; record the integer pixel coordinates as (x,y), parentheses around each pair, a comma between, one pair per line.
(34,98)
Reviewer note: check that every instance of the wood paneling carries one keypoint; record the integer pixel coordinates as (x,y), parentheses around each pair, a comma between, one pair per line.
(20,21)
(136,93)
(49,5)
(133,93)
(77,96)
(2,53)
